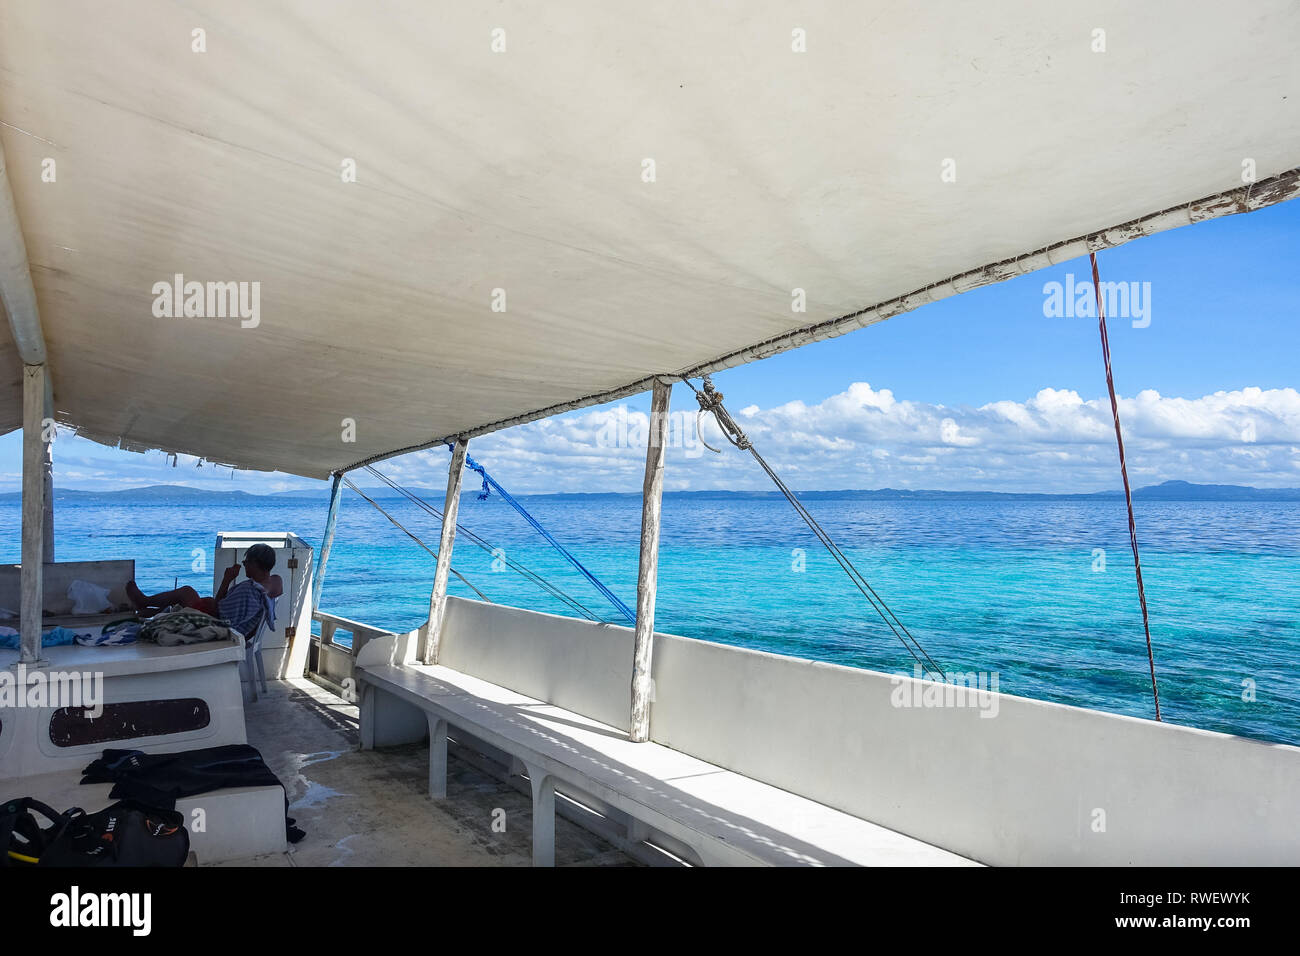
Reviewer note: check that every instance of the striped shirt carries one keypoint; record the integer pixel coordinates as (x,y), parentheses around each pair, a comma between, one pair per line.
(244,605)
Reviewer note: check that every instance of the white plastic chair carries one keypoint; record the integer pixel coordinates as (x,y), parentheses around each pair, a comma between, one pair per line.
(253,659)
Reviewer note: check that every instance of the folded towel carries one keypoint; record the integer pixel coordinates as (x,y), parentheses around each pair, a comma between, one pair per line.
(185,627)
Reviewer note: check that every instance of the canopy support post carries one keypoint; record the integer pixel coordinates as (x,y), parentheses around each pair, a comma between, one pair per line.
(32,574)
(47,515)
(327,541)
(450,509)
(647,577)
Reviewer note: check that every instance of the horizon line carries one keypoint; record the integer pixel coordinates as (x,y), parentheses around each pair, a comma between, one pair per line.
(699,491)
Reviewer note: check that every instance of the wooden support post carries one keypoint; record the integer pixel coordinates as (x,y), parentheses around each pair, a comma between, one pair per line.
(652,492)
(327,542)
(47,513)
(31,608)
(47,522)
(450,509)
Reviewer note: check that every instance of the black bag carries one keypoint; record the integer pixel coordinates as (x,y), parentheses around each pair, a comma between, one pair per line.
(22,838)
(126,834)
(159,780)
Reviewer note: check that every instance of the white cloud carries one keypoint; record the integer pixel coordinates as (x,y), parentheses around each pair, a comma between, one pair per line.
(861,437)
(869,438)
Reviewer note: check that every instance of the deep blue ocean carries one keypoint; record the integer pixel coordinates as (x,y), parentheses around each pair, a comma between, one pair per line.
(1040,591)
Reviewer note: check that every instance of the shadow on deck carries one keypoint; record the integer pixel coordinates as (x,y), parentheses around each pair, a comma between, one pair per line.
(371,808)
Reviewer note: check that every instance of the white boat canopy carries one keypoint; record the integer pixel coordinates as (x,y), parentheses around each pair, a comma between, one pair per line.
(462,216)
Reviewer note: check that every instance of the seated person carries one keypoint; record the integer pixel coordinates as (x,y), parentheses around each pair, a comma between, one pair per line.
(242,606)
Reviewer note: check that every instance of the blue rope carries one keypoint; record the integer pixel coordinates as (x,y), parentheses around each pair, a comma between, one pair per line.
(490,483)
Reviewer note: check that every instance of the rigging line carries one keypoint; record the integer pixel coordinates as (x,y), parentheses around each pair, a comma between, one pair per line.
(537,579)
(711,620)
(478,541)
(375,505)
(526,572)
(737,437)
(710,400)
(887,614)
(1123,470)
(489,481)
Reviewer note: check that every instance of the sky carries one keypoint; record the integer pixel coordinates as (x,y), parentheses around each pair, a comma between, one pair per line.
(982,391)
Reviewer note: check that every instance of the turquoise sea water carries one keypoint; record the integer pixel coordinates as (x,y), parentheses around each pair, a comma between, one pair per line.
(1014,587)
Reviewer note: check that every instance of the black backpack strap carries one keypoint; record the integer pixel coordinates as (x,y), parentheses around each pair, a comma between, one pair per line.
(16,817)
(168,815)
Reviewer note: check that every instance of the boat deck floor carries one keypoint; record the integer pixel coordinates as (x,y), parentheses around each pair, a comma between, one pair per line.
(372,808)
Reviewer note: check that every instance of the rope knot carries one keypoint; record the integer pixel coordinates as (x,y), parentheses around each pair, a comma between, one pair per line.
(710,400)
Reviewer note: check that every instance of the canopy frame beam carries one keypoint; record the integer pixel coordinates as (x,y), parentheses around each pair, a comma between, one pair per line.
(16,290)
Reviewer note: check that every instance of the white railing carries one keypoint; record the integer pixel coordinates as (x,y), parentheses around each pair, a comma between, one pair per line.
(330,661)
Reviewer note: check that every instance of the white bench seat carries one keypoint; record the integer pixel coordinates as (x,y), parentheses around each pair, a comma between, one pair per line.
(724,817)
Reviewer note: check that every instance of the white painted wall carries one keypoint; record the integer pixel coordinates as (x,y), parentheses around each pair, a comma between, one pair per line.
(129,673)
(1021,787)
(293,562)
(578,665)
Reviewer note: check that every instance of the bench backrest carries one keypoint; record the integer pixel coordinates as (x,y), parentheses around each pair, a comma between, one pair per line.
(1034,783)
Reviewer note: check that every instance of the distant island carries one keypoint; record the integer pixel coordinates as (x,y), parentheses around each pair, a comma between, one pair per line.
(1166,491)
